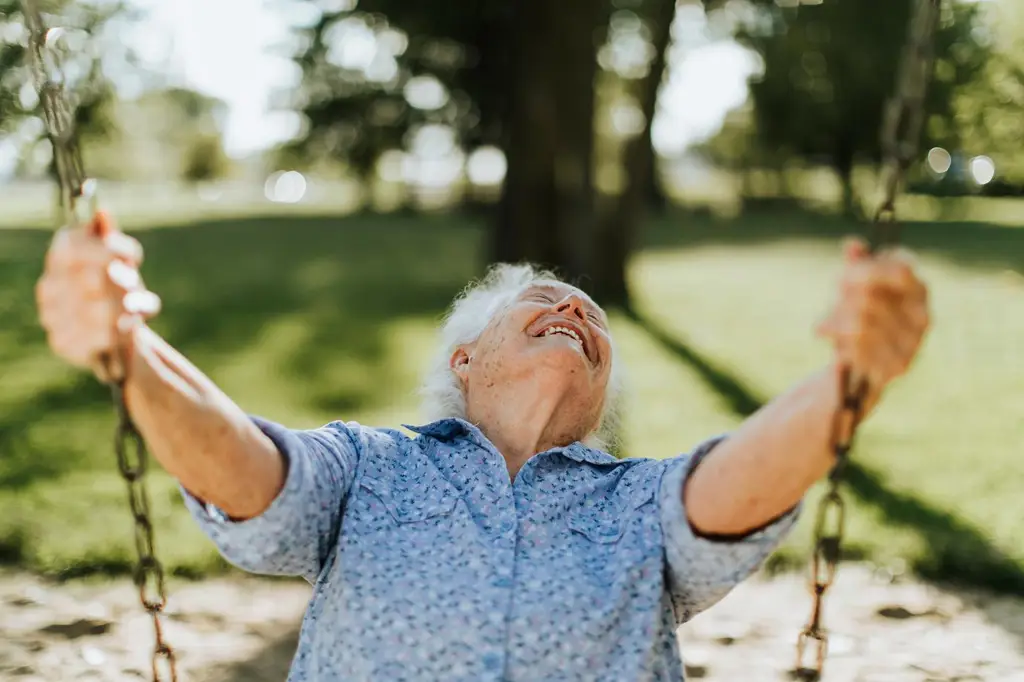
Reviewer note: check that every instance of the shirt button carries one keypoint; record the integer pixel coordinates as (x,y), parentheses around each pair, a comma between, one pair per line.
(505,526)
(215,513)
(492,661)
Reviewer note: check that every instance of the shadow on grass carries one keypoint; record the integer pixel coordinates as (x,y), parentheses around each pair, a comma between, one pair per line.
(739,397)
(957,553)
(302,305)
(229,283)
(22,462)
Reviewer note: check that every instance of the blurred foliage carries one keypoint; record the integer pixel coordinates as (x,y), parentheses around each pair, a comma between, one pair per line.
(988,110)
(205,159)
(830,68)
(381,78)
(439,64)
(165,134)
(567,91)
(432,63)
(81,64)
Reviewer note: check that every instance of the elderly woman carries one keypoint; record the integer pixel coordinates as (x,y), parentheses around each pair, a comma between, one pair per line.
(498,542)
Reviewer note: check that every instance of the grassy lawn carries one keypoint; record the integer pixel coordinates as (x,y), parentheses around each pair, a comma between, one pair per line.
(306,319)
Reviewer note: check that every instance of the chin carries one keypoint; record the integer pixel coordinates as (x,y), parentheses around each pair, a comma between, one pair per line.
(565,359)
(572,376)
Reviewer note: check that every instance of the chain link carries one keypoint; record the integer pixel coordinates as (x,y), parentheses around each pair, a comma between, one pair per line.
(78,202)
(900,136)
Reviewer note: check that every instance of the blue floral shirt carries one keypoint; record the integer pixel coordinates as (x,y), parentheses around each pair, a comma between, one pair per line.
(428,563)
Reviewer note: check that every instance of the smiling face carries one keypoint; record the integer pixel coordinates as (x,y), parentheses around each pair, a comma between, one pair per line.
(551,341)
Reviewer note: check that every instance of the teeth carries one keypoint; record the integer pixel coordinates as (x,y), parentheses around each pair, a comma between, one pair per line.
(563,330)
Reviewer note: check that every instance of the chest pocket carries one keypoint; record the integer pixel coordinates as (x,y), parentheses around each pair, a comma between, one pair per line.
(605,522)
(411,502)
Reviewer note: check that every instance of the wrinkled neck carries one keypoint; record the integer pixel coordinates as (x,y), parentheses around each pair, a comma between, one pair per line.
(523,423)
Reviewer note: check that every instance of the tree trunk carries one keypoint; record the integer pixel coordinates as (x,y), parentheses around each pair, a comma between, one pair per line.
(620,227)
(844,160)
(656,200)
(546,214)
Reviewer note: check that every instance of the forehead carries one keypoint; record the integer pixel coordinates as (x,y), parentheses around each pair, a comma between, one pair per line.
(561,290)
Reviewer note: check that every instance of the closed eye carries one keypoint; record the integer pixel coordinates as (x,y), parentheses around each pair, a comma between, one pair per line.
(547,298)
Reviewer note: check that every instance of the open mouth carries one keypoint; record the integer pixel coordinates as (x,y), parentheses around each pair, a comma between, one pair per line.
(570,330)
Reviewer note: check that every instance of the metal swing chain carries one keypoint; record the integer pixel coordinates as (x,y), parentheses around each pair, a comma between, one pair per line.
(900,135)
(78,206)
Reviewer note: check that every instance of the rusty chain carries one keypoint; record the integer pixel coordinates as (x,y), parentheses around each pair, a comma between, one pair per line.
(900,135)
(78,203)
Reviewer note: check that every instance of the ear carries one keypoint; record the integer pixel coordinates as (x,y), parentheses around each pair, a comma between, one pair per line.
(459,363)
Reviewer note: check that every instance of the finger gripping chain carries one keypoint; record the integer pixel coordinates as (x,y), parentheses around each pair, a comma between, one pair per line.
(900,135)
(58,114)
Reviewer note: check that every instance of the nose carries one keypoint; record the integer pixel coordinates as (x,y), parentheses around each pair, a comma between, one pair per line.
(572,305)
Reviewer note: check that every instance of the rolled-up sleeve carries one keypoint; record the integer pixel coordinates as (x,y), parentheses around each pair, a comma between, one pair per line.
(702,570)
(297,532)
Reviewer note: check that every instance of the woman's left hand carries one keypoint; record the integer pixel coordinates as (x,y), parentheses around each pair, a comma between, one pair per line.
(881,317)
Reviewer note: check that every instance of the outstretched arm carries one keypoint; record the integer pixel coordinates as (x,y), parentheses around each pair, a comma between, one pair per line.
(767,465)
(281,490)
(91,302)
(199,435)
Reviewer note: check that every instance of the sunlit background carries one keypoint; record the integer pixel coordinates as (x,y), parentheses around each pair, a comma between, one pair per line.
(231,51)
(239,57)
(315,180)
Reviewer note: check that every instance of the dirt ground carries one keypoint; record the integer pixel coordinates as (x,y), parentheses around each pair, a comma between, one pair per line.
(236,630)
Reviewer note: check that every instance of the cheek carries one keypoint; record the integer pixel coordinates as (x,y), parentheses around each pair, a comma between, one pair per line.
(605,348)
(490,358)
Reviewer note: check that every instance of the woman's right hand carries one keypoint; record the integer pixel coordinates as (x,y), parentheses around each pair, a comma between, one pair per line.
(91,296)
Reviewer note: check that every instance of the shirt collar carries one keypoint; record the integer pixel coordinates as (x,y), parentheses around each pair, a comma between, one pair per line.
(453,428)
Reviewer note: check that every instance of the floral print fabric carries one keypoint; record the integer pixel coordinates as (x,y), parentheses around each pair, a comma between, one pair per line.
(428,563)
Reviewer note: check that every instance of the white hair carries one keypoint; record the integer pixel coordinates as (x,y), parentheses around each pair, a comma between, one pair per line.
(469,315)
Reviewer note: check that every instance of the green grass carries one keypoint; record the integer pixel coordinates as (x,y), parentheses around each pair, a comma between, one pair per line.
(307,319)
